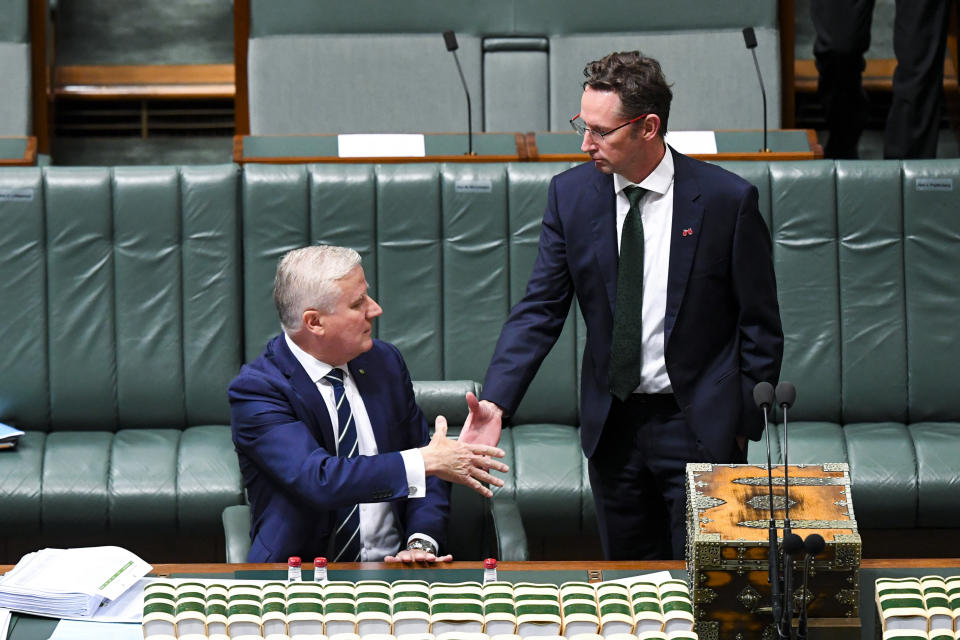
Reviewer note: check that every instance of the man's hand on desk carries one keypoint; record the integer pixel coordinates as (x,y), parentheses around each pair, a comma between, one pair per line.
(484,422)
(461,462)
(417,555)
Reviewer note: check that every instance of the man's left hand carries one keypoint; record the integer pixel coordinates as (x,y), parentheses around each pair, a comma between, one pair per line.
(417,555)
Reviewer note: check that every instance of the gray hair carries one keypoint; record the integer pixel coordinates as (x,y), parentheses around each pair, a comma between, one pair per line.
(306,279)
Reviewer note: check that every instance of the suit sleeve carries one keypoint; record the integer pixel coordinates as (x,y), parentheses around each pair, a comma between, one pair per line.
(536,321)
(277,441)
(758,322)
(429,514)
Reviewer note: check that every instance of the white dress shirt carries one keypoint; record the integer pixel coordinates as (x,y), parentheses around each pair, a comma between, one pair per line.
(656,208)
(379,534)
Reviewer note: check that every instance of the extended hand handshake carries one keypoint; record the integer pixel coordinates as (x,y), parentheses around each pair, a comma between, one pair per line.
(461,461)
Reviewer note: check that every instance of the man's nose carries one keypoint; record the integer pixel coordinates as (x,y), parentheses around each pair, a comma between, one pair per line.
(587,143)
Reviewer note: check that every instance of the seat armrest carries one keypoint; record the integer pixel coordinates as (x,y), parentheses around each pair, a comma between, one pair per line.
(236,532)
(511,538)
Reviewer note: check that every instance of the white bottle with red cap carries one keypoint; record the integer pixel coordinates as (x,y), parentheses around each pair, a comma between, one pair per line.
(293,569)
(489,570)
(320,570)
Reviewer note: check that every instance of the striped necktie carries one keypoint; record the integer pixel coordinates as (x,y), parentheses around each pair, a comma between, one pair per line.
(347,536)
(626,346)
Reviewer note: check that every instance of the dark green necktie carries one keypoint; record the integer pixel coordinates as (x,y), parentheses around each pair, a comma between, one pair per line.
(626,347)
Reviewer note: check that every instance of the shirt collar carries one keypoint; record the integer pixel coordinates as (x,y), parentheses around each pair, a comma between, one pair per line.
(658,181)
(316,369)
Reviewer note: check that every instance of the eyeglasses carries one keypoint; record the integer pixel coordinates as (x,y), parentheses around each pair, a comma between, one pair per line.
(580,127)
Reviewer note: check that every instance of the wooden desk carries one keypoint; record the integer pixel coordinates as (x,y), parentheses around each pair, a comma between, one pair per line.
(33,628)
(784,144)
(439,147)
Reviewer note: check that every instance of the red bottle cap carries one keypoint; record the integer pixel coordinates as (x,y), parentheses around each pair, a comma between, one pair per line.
(319,562)
(490,563)
(293,561)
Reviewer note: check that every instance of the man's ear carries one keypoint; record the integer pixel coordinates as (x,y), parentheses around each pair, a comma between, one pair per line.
(651,126)
(313,322)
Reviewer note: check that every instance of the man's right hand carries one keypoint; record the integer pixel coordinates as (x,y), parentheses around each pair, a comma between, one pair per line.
(483,422)
(460,462)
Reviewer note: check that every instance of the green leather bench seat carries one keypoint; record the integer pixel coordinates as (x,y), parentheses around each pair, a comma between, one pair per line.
(120,327)
(522,60)
(132,295)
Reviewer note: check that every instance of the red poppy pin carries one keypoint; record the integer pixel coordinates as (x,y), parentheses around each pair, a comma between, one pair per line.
(687,232)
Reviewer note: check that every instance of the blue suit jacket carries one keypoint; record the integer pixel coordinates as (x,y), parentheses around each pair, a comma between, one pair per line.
(285,443)
(722,330)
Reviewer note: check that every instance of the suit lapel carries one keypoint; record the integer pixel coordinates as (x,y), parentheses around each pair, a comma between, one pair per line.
(602,205)
(684,236)
(371,391)
(306,391)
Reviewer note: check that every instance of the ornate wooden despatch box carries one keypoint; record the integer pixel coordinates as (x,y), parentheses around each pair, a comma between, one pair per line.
(727,539)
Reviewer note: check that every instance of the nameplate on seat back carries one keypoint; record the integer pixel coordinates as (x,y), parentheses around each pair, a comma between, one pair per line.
(473,186)
(16,195)
(934,184)
(381,145)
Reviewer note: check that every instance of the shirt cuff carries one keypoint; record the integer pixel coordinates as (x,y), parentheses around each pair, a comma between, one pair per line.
(424,536)
(416,473)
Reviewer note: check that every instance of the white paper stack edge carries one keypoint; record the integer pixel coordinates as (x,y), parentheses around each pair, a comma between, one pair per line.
(538,609)
(499,610)
(410,606)
(70,583)
(579,609)
(456,607)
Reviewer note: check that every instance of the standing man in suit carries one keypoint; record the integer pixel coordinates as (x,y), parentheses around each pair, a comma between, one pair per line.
(334,452)
(671,265)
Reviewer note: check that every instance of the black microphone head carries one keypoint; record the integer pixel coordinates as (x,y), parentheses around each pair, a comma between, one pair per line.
(450,39)
(786,394)
(749,38)
(814,544)
(792,544)
(763,394)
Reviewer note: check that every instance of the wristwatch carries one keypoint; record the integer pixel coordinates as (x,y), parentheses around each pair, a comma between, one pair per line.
(419,544)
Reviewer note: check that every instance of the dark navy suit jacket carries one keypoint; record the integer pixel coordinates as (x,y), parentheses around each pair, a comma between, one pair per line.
(294,479)
(722,331)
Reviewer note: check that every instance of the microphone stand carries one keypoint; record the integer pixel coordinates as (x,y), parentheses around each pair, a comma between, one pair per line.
(773,555)
(450,40)
(786,396)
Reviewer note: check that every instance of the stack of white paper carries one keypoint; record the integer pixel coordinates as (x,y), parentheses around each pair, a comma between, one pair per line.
(70,583)
(9,436)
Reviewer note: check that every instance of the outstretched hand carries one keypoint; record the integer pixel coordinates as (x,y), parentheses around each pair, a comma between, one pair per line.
(461,462)
(484,422)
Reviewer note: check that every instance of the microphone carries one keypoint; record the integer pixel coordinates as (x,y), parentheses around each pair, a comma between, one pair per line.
(763,397)
(792,544)
(450,39)
(750,39)
(813,545)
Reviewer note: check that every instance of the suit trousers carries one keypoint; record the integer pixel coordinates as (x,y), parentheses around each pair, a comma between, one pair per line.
(919,43)
(638,477)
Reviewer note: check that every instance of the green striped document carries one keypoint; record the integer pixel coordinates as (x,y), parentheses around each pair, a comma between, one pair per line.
(616,610)
(677,606)
(499,611)
(900,605)
(579,609)
(538,609)
(456,607)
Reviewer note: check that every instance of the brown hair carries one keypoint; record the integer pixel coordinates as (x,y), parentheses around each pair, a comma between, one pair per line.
(636,79)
